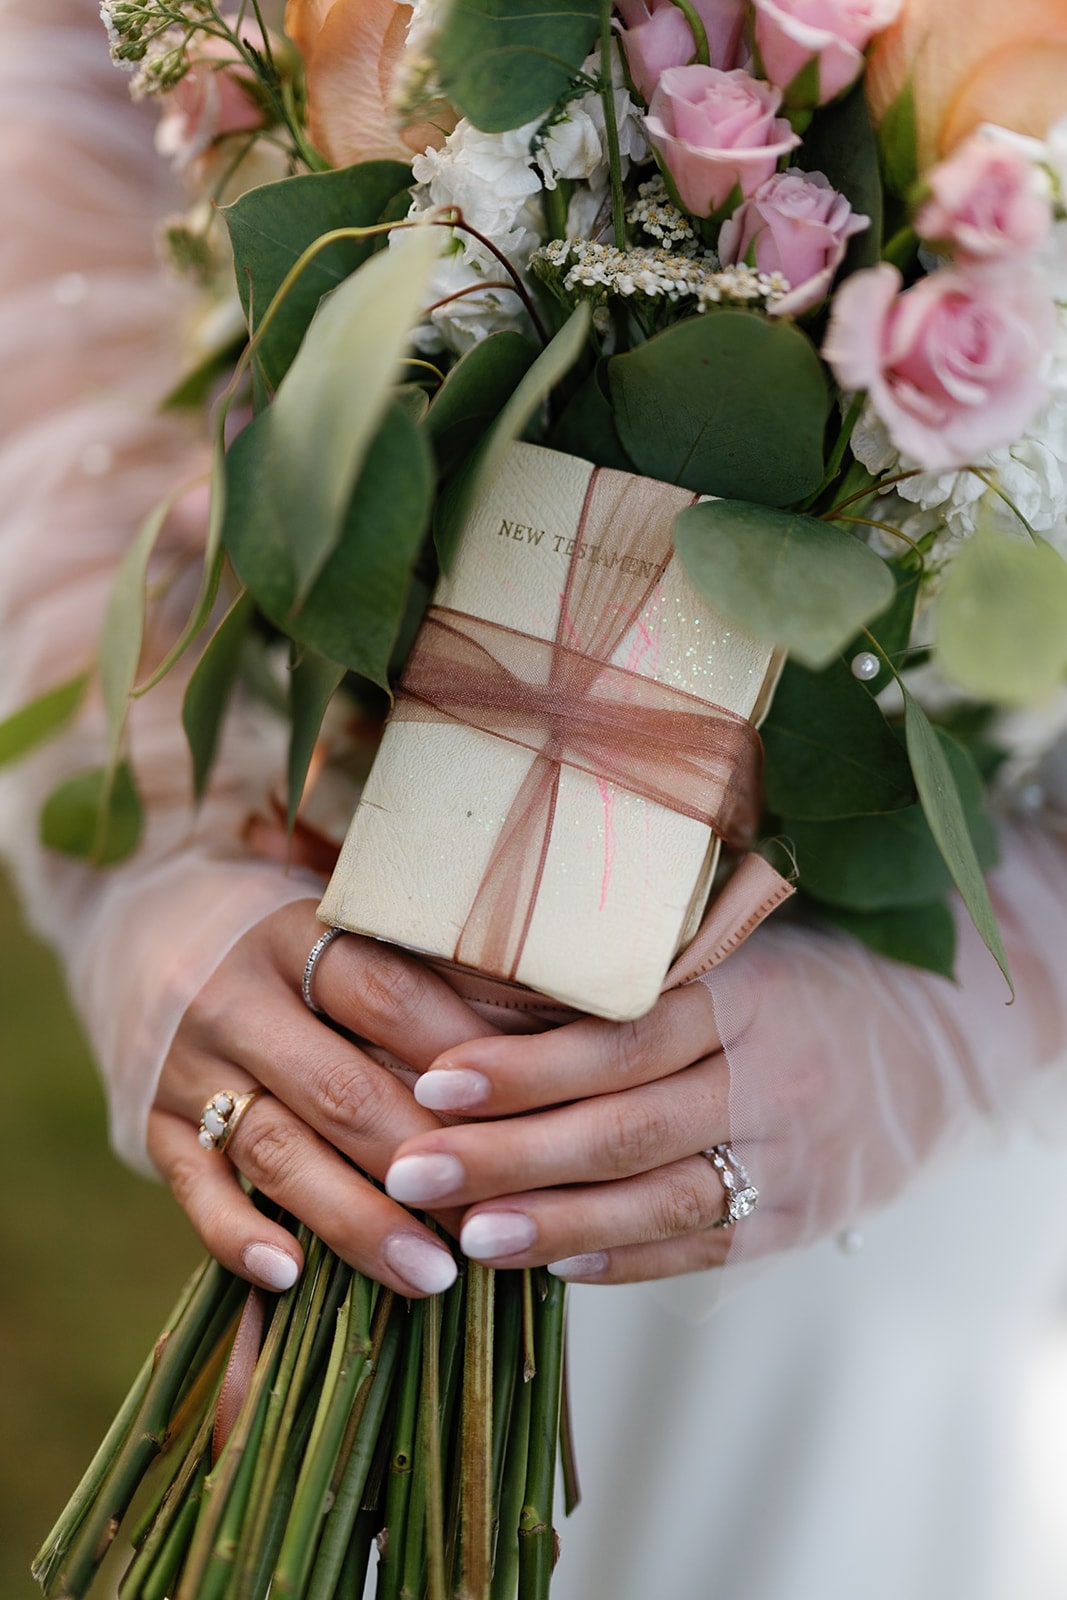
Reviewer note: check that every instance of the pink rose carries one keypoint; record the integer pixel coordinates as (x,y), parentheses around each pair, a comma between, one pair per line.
(657,36)
(792,34)
(716,132)
(952,364)
(213,99)
(795,224)
(986,201)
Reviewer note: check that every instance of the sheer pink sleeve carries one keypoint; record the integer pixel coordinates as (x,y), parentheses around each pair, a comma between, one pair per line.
(850,1076)
(88,342)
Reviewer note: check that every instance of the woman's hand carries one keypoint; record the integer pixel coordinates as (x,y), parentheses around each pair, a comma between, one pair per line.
(608,1187)
(326,1100)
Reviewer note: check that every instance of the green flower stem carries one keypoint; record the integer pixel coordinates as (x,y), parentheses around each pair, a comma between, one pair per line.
(348,1363)
(66,1567)
(286,1396)
(220,1565)
(159,1584)
(476,1488)
(696,26)
(513,1491)
(401,1462)
(166,1541)
(430,1452)
(342,1530)
(568,1460)
(529,1328)
(611,127)
(536,1534)
(507,1344)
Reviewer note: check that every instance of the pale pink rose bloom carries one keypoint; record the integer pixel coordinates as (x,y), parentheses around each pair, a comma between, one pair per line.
(796,224)
(834,33)
(952,365)
(657,36)
(714,131)
(211,101)
(986,202)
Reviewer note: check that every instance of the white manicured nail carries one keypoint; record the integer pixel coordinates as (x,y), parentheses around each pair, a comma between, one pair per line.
(425,1266)
(451,1089)
(271,1267)
(493,1234)
(415,1180)
(587,1266)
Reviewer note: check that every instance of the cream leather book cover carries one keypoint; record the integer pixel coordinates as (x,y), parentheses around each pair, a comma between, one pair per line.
(623,881)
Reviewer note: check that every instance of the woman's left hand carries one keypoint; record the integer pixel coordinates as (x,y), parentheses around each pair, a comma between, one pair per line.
(613,1188)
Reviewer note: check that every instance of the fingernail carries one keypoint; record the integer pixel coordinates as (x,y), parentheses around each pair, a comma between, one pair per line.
(588,1266)
(271,1267)
(414,1180)
(492,1234)
(451,1089)
(424,1265)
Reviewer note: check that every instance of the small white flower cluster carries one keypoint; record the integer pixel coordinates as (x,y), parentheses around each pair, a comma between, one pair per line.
(656,214)
(142,30)
(587,270)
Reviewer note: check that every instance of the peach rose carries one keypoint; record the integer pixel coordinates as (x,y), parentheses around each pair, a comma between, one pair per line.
(352,51)
(969,62)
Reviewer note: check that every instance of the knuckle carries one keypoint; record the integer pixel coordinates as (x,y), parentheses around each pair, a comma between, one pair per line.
(391,991)
(630,1043)
(684,1204)
(266,1153)
(340,1090)
(184,1178)
(634,1137)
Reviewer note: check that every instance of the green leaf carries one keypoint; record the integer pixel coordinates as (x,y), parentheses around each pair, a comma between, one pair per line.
(898,142)
(414,399)
(96,816)
(587,426)
(793,580)
(122,635)
(891,629)
(529,395)
(921,936)
(1002,619)
(271,227)
(505,62)
(727,403)
(333,398)
(35,722)
(313,681)
(840,143)
(208,690)
(355,608)
(475,391)
(877,863)
(829,750)
(943,805)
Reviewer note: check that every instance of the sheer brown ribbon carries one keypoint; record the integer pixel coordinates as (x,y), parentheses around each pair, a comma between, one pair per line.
(564,700)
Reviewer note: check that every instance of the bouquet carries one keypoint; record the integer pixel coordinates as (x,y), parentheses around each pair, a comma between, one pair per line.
(803,259)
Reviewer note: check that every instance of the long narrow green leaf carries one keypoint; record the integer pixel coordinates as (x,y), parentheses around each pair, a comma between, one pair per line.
(312,683)
(940,799)
(335,394)
(123,630)
(208,690)
(36,721)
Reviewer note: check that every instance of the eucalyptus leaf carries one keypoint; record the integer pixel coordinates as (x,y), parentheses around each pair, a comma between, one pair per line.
(727,403)
(96,816)
(840,143)
(790,579)
(1002,619)
(526,400)
(271,227)
(921,936)
(122,635)
(38,720)
(878,863)
(505,62)
(587,426)
(355,609)
(475,391)
(208,690)
(943,805)
(333,398)
(313,681)
(829,750)
(891,630)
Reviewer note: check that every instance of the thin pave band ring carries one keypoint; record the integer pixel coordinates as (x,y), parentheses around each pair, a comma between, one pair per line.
(742,1196)
(219,1118)
(314,953)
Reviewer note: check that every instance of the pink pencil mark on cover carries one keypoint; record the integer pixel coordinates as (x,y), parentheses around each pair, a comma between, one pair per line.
(611,843)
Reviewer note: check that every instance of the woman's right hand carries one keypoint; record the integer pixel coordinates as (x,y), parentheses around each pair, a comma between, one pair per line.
(326,1099)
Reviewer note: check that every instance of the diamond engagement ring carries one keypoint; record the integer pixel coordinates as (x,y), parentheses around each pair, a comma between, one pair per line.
(742,1196)
(314,953)
(219,1118)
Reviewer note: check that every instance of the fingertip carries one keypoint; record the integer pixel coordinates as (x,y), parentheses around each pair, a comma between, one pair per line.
(269,1266)
(449,1088)
(574,1269)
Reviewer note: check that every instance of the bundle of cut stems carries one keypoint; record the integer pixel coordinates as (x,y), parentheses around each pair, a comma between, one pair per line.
(430,1428)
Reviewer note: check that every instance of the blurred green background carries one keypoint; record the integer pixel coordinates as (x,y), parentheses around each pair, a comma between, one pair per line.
(91,1256)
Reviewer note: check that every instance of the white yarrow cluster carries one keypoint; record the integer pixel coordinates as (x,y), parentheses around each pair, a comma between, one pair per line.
(656,214)
(585,269)
(149,38)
